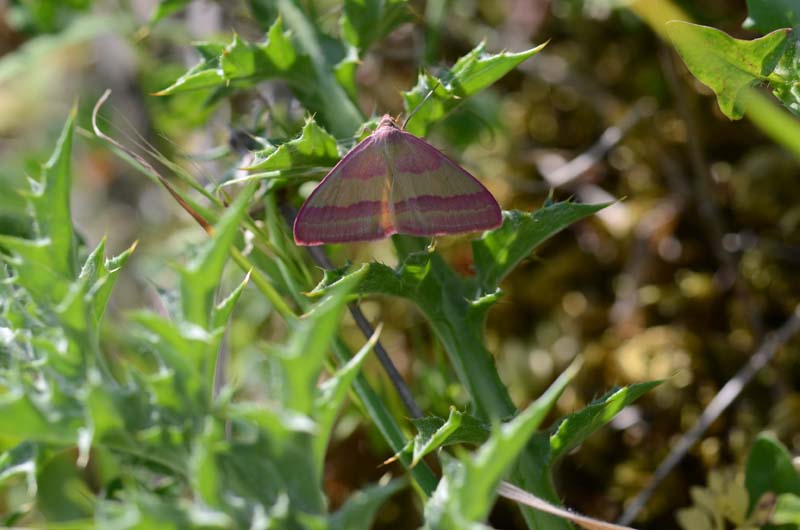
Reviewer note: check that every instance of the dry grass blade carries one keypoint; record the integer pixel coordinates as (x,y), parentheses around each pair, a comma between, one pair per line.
(147,166)
(509,491)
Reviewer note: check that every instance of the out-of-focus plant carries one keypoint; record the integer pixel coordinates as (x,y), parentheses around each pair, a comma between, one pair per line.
(730,67)
(768,495)
(145,443)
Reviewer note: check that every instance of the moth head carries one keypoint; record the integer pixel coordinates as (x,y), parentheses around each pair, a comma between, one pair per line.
(387,121)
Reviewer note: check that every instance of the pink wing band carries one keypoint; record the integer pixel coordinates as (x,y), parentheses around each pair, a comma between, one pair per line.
(340,224)
(466,201)
(322,215)
(446,215)
(342,232)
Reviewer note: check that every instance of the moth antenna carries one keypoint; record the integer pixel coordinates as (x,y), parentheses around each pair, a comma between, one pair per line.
(421,103)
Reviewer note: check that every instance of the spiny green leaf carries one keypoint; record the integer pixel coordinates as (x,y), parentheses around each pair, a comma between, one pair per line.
(769,15)
(428,440)
(104,275)
(471,74)
(33,270)
(314,147)
(576,427)
(222,311)
(182,348)
(499,250)
(244,64)
(331,396)
(726,65)
(304,354)
(50,199)
(280,49)
(72,311)
(377,278)
(470,430)
(364,22)
(467,491)
(201,276)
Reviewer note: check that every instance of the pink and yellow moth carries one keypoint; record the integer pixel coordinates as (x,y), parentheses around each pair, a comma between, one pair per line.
(394,183)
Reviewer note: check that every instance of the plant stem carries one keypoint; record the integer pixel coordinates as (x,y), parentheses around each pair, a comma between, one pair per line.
(459,327)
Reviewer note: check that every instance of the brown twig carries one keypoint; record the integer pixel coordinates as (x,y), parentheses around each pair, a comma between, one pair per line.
(319,257)
(722,400)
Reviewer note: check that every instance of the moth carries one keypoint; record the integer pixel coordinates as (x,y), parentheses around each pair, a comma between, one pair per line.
(394,183)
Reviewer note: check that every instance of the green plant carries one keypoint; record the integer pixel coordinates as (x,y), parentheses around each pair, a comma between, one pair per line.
(731,67)
(91,441)
(768,495)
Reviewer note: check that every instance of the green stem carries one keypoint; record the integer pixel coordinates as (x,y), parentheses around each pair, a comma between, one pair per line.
(773,120)
(474,365)
(459,327)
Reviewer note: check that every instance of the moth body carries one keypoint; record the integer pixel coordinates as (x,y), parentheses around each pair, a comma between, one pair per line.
(393,182)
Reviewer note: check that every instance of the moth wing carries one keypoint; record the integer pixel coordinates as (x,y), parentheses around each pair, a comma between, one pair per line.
(432,195)
(351,203)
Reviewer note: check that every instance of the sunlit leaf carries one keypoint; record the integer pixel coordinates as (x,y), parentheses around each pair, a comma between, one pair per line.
(314,147)
(244,64)
(576,427)
(459,428)
(303,356)
(787,509)
(470,430)
(467,491)
(785,79)
(500,250)
(471,74)
(200,277)
(726,65)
